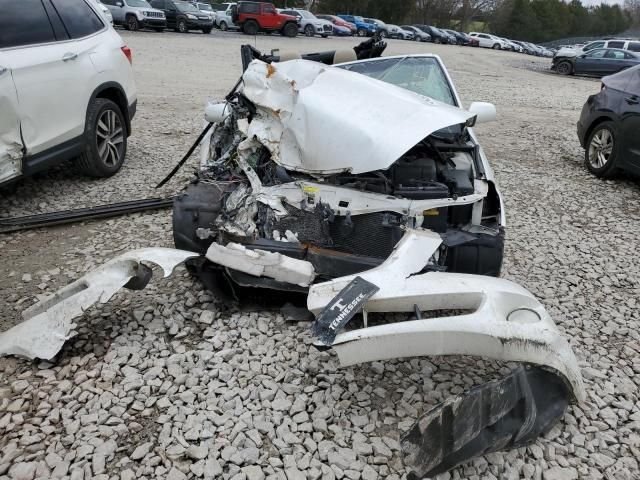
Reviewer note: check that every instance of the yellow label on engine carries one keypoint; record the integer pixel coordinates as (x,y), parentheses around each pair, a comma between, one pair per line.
(433,212)
(310,189)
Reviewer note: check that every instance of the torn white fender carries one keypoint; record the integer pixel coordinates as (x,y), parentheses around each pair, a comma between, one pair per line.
(506,323)
(49,323)
(261,263)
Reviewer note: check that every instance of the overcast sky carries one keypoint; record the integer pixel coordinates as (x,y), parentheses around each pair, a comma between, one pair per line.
(598,2)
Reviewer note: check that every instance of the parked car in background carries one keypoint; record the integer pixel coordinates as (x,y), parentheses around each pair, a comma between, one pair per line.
(381,27)
(205,8)
(418,35)
(363,29)
(309,24)
(437,36)
(105,11)
(223,16)
(526,48)
(136,14)
(183,16)
(487,40)
(399,32)
(460,38)
(340,31)
(66,93)
(609,125)
(623,44)
(254,17)
(514,47)
(336,20)
(598,62)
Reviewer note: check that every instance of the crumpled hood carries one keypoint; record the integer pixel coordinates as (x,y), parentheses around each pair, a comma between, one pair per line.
(568,52)
(321,120)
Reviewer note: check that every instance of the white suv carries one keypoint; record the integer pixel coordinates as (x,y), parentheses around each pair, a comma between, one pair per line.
(66,89)
(487,40)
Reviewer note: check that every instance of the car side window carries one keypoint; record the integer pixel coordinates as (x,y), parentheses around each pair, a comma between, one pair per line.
(79,18)
(24,22)
(634,46)
(109,2)
(270,9)
(593,45)
(615,44)
(251,8)
(596,54)
(615,54)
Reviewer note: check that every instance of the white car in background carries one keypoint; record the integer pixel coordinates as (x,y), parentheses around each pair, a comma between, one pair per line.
(223,16)
(66,89)
(105,11)
(310,25)
(490,41)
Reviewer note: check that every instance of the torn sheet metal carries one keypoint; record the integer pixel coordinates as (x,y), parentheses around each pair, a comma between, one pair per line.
(506,321)
(298,98)
(49,323)
(261,263)
(499,415)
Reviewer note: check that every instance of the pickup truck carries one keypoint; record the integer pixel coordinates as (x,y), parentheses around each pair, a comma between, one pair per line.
(254,17)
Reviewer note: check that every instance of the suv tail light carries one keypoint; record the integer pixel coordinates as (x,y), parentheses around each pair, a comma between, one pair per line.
(127,53)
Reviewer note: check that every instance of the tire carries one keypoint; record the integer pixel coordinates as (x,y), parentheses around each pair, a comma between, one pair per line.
(206,30)
(181,26)
(496,46)
(250,27)
(601,150)
(105,138)
(159,29)
(309,31)
(384,34)
(132,23)
(361,32)
(564,68)
(223,26)
(325,36)
(417,38)
(290,30)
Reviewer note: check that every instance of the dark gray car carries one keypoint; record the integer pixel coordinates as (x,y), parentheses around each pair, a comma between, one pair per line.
(598,62)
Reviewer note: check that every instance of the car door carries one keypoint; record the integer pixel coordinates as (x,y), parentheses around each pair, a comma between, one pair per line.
(630,120)
(11,148)
(53,79)
(270,19)
(615,60)
(591,62)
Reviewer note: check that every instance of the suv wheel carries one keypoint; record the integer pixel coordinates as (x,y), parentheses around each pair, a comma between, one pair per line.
(309,31)
(132,23)
(250,27)
(181,26)
(290,30)
(600,151)
(105,140)
(496,46)
(384,34)
(223,26)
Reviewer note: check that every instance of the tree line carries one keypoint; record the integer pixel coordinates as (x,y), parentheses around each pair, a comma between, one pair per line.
(529,20)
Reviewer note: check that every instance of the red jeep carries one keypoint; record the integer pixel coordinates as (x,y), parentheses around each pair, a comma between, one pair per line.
(254,17)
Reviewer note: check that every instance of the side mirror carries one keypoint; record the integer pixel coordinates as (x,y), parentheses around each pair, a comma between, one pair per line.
(119,4)
(484,112)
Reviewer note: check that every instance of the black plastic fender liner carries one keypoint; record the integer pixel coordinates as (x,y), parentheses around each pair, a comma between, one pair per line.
(498,415)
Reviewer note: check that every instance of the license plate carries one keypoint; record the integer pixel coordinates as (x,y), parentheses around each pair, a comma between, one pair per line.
(341,309)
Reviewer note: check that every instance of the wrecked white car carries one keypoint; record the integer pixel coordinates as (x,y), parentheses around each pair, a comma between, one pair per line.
(363,187)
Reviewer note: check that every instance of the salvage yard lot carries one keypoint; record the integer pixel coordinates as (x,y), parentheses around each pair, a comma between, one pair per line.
(212,395)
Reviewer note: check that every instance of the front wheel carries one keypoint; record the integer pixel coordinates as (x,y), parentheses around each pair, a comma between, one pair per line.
(105,138)
(223,26)
(601,150)
(496,46)
(132,23)
(564,68)
(290,30)
(362,32)
(309,31)
(181,26)
(384,34)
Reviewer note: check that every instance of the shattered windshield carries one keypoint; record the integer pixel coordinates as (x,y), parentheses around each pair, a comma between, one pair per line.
(421,75)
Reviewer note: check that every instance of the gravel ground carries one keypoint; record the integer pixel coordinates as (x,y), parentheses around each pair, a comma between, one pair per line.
(165,383)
